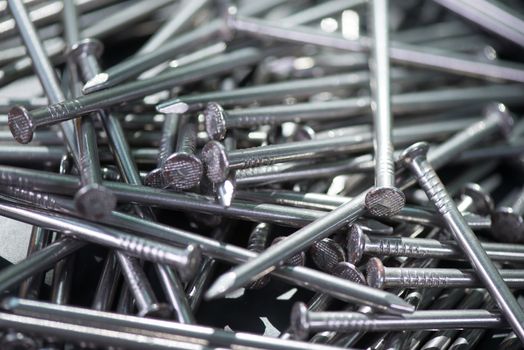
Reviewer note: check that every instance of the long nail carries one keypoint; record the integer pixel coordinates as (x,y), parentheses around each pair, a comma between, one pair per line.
(379,276)
(384,199)
(415,158)
(218,120)
(24,122)
(164,329)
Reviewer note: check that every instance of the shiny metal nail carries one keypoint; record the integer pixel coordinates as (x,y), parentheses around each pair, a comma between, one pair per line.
(218,120)
(415,158)
(384,199)
(23,122)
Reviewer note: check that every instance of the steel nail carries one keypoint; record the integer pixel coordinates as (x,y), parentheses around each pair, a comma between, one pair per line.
(379,276)
(304,321)
(162,329)
(415,158)
(183,170)
(218,120)
(24,122)
(384,199)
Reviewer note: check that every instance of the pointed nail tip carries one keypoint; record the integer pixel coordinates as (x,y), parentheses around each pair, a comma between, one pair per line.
(96,83)
(401,307)
(223,285)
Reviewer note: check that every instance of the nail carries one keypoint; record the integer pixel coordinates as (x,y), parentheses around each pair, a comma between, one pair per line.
(379,276)
(218,120)
(23,123)
(38,262)
(107,284)
(359,244)
(448,299)
(183,170)
(460,64)
(415,158)
(475,198)
(384,199)
(507,222)
(40,238)
(304,321)
(326,254)
(173,25)
(155,178)
(185,260)
(443,339)
(44,71)
(175,295)
(490,16)
(188,333)
(297,242)
(98,335)
(269,92)
(136,280)
(219,162)
(257,243)
(137,64)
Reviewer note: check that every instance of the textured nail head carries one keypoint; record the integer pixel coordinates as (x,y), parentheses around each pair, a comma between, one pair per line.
(482,200)
(375,273)
(95,201)
(355,244)
(215,122)
(507,226)
(215,161)
(349,272)
(85,48)
(502,115)
(299,321)
(155,178)
(20,124)
(326,254)
(182,171)
(385,201)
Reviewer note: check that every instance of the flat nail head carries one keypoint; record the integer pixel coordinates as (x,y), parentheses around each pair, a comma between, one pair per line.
(482,200)
(349,272)
(214,120)
(20,124)
(384,201)
(95,201)
(507,226)
(215,161)
(415,150)
(326,254)
(86,47)
(502,116)
(375,273)
(182,171)
(355,244)
(299,321)
(155,178)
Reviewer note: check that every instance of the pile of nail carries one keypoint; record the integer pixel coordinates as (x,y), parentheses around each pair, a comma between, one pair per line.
(263,174)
